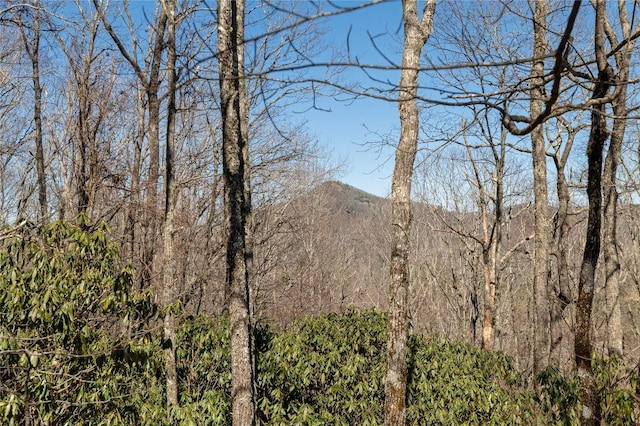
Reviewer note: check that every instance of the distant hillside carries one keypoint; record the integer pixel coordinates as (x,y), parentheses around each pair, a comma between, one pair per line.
(329,250)
(343,197)
(328,253)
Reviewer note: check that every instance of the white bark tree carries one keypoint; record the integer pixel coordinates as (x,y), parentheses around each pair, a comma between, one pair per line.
(416,33)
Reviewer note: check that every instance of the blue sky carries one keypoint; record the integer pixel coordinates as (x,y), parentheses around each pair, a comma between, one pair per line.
(351,126)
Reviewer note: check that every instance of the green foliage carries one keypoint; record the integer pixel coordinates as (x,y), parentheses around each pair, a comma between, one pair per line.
(204,367)
(452,383)
(558,397)
(616,389)
(67,351)
(327,370)
(75,350)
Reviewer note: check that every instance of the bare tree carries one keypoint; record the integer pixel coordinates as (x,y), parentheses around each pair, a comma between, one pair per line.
(30,34)
(487,77)
(541,322)
(149,76)
(491,229)
(416,34)
(90,105)
(583,341)
(561,145)
(235,116)
(171,196)
(622,56)
(14,168)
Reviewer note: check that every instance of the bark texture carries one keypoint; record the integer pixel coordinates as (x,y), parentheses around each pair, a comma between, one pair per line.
(583,347)
(561,299)
(416,33)
(234,103)
(614,335)
(168,279)
(541,314)
(32,46)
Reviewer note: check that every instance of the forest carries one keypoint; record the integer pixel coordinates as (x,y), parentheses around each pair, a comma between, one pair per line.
(179,247)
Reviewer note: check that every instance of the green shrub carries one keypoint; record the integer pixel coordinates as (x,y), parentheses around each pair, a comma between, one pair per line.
(75,350)
(69,353)
(327,370)
(616,389)
(452,383)
(204,370)
(559,395)
(330,369)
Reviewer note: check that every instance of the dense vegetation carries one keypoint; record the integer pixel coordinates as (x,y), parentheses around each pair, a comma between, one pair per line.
(79,346)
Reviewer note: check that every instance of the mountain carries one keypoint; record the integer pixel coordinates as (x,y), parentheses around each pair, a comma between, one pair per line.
(341,197)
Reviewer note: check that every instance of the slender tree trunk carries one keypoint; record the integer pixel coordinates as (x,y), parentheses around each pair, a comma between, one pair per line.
(151,213)
(237,205)
(37,118)
(171,196)
(32,47)
(562,289)
(152,87)
(133,209)
(489,298)
(495,235)
(614,341)
(583,347)
(541,315)
(491,266)
(247,211)
(491,233)
(84,138)
(416,33)
(609,234)
(149,77)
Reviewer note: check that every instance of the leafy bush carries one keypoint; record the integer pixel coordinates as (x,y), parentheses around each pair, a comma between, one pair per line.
(560,395)
(616,389)
(69,353)
(75,350)
(204,369)
(452,383)
(327,370)
(330,370)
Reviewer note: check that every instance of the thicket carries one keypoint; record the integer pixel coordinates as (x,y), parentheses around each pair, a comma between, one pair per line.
(78,347)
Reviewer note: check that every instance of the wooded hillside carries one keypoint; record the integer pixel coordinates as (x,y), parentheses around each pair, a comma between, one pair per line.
(163,185)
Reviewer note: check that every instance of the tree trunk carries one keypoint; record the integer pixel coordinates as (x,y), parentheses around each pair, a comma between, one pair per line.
(541,315)
(84,136)
(149,78)
(491,223)
(416,33)
(32,47)
(153,137)
(583,348)
(37,117)
(489,298)
(614,341)
(133,208)
(171,196)
(609,235)
(235,141)
(562,289)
